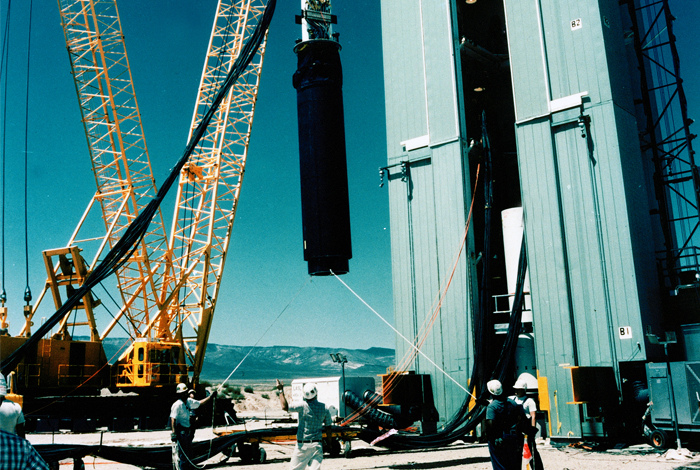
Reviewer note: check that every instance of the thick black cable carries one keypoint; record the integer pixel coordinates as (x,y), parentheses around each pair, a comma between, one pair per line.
(482,329)
(127,244)
(515,325)
(465,419)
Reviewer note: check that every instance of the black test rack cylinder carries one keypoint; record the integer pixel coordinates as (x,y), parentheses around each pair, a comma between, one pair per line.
(325,208)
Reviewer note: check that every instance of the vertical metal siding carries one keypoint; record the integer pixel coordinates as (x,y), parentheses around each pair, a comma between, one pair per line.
(428,209)
(576,58)
(586,217)
(440,73)
(455,321)
(404,75)
(527,56)
(547,262)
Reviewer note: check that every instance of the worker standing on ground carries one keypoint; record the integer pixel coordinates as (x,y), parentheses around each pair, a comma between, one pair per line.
(11,416)
(312,416)
(193,413)
(503,417)
(530,407)
(182,435)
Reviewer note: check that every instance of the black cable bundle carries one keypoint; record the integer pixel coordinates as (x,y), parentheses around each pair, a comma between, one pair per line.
(483,324)
(465,420)
(129,241)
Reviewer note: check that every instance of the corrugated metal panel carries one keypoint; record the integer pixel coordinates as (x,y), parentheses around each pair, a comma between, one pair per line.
(455,321)
(586,216)
(427,224)
(583,269)
(527,59)
(427,209)
(552,314)
(440,73)
(575,50)
(404,73)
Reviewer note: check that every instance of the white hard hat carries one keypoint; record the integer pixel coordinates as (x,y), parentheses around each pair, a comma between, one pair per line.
(520,384)
(3,386)
(309,391)
(494,387)
(181,388)
(530,380)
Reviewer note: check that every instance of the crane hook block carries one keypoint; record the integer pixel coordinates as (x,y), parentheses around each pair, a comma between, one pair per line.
(325,208)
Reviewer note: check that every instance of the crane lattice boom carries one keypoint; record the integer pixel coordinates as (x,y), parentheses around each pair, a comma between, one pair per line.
(210,184)
(118,151)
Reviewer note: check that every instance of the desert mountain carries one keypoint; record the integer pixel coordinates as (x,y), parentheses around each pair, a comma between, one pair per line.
(284,362)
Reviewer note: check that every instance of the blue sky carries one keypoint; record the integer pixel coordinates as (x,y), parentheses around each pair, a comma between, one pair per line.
(166,41)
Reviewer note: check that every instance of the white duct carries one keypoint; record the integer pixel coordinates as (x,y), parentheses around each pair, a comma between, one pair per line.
(512,222)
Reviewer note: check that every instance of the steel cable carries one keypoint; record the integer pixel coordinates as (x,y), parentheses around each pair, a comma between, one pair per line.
(4,61)
(128,243)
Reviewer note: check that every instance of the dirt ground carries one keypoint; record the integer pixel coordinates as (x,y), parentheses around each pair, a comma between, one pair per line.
(456,456)
(261,408)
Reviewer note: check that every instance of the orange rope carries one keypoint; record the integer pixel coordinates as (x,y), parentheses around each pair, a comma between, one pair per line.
(391,383)
(430,321)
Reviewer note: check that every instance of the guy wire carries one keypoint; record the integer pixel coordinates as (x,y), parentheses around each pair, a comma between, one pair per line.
(402,336)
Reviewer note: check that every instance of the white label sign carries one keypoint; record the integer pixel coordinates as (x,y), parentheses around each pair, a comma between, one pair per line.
(576,24)
(625,332)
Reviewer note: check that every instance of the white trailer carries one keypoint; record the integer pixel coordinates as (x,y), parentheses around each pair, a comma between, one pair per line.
(331,389)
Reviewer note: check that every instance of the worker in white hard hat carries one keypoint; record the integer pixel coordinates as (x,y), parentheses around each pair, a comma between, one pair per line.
(11,416)
(312,416)
(182,435)
(530,407)
(503,417)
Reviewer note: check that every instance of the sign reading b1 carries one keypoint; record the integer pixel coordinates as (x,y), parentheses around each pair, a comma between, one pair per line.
(625,332)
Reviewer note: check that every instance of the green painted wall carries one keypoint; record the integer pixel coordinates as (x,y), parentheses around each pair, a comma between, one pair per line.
(427,194)
(585,200)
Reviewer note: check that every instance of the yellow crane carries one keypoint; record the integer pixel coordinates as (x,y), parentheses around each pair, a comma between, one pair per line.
(169,285)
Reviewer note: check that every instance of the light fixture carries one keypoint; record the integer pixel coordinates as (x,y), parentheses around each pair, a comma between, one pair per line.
(471,2)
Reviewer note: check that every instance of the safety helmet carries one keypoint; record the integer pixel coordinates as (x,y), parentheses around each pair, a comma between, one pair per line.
(520,384)
(494,387)
(3,386)
(181,388)
(309,391)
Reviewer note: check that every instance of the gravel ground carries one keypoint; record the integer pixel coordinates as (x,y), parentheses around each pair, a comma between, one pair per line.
(365,457)
(472,456)
(261,413)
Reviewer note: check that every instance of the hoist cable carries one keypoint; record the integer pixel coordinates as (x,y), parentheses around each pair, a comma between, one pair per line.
(470,413)
(430,321)
(466,419)
(408,341)
(27,290)
(4,61)
(127,244)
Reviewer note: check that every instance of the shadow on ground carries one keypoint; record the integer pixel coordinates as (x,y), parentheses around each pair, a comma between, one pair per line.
(443,464)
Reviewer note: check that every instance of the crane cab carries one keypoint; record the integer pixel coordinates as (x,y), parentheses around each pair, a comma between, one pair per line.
(150,363)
